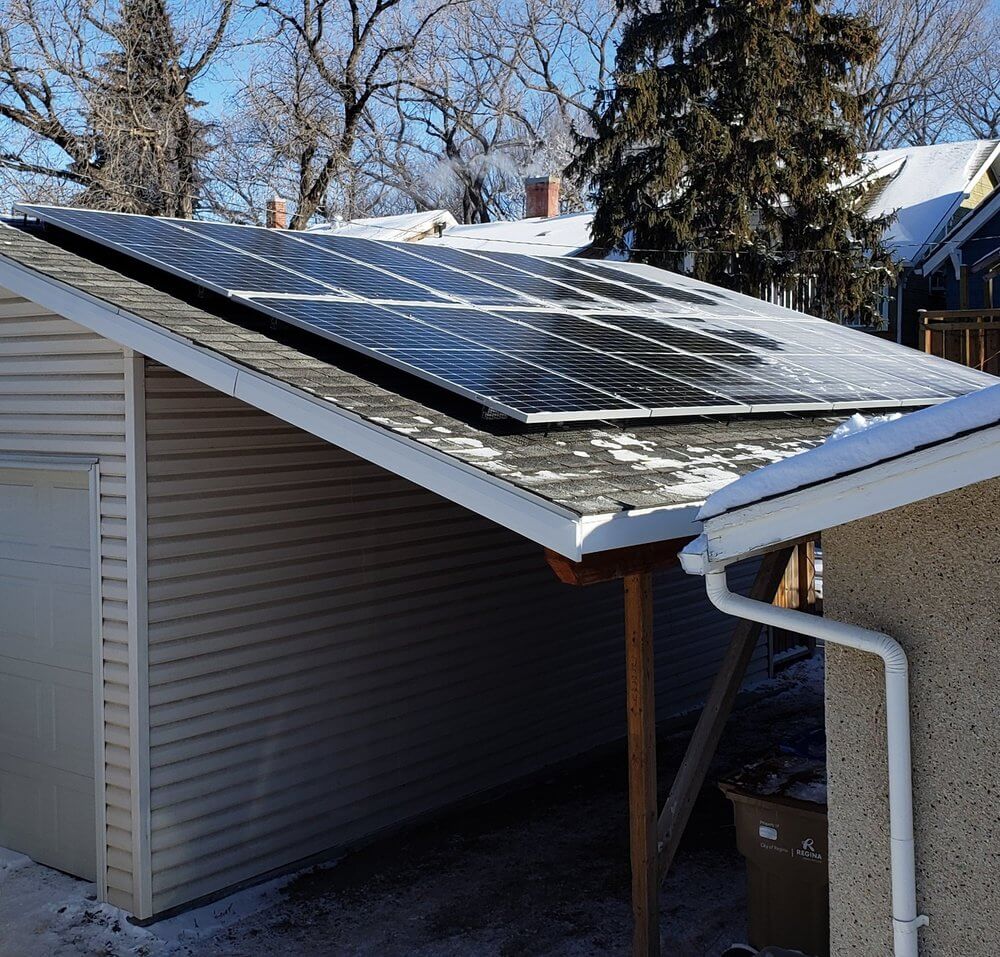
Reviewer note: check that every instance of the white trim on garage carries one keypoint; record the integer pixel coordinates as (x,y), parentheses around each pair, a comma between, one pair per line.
(137,586)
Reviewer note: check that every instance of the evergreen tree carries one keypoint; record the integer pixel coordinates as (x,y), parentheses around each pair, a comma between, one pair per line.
(730,146)
(148,142)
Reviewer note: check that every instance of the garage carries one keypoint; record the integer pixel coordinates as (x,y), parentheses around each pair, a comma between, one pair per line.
(46,668)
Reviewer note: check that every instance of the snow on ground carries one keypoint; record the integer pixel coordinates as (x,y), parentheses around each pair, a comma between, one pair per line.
(542,872)
(862,446)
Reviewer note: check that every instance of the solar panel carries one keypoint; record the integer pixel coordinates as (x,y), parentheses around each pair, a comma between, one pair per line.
(538,339)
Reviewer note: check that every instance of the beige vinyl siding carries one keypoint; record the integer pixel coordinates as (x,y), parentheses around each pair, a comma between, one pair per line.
(333,650)
(62,393)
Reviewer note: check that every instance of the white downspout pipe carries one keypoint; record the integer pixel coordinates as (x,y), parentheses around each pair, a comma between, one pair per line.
(905,920)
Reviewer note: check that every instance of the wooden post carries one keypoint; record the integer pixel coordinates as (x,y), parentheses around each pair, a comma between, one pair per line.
(640,698)
(721,697)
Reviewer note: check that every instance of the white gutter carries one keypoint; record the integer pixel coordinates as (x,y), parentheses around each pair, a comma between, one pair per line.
(905,920)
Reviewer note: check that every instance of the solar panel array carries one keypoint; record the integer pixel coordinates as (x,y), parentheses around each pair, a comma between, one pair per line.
(537,339)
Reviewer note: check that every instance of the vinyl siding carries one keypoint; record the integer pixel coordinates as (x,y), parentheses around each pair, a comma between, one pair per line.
(62,393)
(333,650)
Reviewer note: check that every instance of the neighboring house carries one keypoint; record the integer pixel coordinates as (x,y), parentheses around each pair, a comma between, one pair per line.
(908,515)
(930,190)
(264,599)
(963,267)
(541,232)
(566,235)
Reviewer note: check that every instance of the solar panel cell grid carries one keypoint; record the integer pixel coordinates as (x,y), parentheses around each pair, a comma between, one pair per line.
(556,272)
(361,323)
(336,271)
(516,384)
(725,379)
(529,286)
(654,290)
(425,272)
(539,339)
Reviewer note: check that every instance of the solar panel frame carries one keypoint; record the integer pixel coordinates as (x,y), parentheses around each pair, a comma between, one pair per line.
(402,355)
(690,349)
(145,252)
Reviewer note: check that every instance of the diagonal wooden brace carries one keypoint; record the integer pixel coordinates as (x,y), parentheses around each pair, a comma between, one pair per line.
(701,749)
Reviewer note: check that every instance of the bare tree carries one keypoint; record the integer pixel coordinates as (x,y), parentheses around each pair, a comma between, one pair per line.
(973,97)
(495,93)
(926,45)
(96,99)
(345,53)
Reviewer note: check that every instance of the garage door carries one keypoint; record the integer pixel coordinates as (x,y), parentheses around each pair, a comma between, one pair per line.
(46,693)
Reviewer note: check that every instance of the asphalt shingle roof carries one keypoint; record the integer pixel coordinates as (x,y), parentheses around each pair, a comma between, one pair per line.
(596,468)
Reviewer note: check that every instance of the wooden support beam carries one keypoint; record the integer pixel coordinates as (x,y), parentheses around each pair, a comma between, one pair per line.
(615,563)
(701,749)
(640,699)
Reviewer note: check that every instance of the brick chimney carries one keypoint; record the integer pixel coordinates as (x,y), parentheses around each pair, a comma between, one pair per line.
(541,196)
(276,216)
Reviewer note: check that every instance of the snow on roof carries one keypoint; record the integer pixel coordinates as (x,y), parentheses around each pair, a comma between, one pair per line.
(860,448)
(925,185)
(408,227)
(551,236)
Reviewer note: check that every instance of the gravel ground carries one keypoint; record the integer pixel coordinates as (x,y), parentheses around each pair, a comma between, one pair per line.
(543,871)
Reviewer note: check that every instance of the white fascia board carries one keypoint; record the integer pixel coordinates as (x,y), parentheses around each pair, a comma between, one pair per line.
(639,526)
(919,475)
(531,516)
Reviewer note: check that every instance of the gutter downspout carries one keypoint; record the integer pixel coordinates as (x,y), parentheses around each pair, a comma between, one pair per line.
(905,920)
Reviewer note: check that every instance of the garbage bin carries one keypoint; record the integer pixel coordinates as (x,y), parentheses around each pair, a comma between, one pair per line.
(779,805)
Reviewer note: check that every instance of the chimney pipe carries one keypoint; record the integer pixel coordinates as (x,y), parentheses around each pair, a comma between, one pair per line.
(541,196)
(276,216)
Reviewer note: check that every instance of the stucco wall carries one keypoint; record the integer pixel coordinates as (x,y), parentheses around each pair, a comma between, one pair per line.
(928,574)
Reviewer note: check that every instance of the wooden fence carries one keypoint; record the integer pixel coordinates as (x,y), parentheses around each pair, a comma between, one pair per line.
(968,336)
(797,590)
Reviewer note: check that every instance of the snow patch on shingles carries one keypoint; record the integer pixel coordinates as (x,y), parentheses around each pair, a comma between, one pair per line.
(471,448)
(621,440)
(549,476)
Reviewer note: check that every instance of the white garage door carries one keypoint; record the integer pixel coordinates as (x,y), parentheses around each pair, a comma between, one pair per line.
(46,693)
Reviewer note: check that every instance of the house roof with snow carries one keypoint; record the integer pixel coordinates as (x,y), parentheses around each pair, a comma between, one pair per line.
(926,188)
(404,228)
(576,488)
(866,468)
(567,235)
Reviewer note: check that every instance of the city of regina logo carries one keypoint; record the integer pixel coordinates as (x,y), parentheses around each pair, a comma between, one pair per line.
(808,850)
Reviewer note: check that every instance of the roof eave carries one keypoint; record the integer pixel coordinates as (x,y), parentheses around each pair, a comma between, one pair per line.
(943,249)
(532,516)
(935,470)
